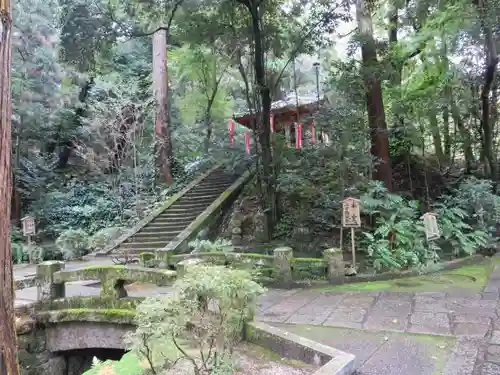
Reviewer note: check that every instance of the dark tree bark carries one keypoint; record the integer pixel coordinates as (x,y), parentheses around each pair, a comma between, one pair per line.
(162,126)
(491,63)
(262,126)
(8,349)
(374,99)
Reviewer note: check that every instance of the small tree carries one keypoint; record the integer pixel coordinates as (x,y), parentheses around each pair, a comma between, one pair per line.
(199,324)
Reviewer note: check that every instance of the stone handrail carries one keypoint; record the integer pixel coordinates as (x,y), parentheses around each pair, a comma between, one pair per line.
(112,278)
(141,224)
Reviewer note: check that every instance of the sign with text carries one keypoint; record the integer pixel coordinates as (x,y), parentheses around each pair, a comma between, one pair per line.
(431,226)
(29,226)
(351,217)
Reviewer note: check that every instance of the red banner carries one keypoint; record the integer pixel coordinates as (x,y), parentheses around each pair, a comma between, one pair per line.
(298,135)
(271,122)
(313,133)
(230,129)
(247,142)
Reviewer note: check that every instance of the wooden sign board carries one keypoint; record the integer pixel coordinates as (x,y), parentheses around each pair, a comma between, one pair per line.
(29,226)
(351,216)
(431,227)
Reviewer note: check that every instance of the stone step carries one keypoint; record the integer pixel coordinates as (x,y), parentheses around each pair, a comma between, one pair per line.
(160,235)
(130,251)
(208,191)
(194,203)
(152,230)
(165,227)
(188,210)
(144,245)
(175,219)
(199,198)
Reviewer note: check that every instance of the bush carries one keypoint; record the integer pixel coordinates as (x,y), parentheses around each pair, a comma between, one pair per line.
(206,246)
(103,237)
(399,241)
(21,253)
(182,322)
(73,243)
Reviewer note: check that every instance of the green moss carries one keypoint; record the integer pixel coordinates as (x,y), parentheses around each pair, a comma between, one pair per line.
(435,350)
(308,269)
(117,267)
(93,302)
(118,316)
(469,277)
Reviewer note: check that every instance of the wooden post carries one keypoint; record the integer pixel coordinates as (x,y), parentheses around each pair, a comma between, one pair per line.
(351,218)
(353,247)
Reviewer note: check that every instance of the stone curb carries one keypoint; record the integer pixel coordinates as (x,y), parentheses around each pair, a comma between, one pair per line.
(333,361)
(386,276)
(141,224)
(198,223)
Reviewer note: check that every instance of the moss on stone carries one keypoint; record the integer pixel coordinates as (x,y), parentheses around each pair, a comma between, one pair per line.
(93,302)
(113,278)
(116,316)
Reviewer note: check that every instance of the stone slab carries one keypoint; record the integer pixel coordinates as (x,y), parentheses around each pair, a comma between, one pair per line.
(471,329)
(489,368)
(386,323)
(404,355)
(493,354)
(430,323)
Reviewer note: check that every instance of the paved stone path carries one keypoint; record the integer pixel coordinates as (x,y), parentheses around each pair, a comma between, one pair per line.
(473,318)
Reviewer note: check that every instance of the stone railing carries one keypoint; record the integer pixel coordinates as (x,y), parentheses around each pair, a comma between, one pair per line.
(280,268)
(52,279)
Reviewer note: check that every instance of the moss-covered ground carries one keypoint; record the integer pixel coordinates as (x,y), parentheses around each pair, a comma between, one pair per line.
(472,277)
(384,352)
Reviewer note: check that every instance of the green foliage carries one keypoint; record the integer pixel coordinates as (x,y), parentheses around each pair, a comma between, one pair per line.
(104,237)
(398,240)
(181,325)
(478,201)
(206,246)
(21,253)
(308,269)
(73,243)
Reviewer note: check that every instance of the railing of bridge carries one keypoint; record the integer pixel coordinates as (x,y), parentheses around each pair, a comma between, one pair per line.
(280,268)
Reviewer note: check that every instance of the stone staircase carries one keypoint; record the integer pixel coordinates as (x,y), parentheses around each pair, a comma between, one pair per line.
(166,226)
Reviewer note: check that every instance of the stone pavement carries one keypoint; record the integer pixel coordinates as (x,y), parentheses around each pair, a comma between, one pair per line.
(472,319)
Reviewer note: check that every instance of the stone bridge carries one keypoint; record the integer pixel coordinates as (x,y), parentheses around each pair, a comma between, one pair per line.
(85,312)
(61,332)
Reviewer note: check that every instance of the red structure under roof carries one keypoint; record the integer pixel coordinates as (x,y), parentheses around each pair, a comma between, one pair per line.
(284,112)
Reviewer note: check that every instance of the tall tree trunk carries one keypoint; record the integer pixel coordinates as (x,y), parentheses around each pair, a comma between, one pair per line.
(489,78)
(264,135)
(8,357)
(436,135)
(162,126)
(374,99)
(464,135)
(446,133)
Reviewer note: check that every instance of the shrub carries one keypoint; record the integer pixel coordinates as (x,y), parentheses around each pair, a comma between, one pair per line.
(182,326)
(103,237)
(21,253)
(73,243)
(399,237)
(206,246)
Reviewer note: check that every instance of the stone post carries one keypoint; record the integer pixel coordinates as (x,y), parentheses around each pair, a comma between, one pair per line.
(47,289)
(163,258)
(283,264)
(334,259)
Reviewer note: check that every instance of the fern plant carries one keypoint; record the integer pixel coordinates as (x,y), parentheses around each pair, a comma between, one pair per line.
(457,236)
(398,240)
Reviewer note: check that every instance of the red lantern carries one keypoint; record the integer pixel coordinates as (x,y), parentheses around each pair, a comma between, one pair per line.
(247,142)
(230,129)
(313,133)
(298,135)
